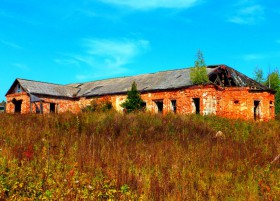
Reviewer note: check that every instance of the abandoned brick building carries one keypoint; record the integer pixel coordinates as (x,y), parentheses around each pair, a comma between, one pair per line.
(229,94)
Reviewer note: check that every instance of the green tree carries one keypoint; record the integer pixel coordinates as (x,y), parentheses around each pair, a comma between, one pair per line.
(133,101)
(198,72)
(258,75)
(273,82)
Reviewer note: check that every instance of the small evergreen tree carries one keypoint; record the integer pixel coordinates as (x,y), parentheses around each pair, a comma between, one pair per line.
(133,101)
(198,72)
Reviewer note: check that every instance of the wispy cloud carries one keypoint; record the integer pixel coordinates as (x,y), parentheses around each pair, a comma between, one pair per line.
(247,12)
(153,4)
(10,44)
(104,57)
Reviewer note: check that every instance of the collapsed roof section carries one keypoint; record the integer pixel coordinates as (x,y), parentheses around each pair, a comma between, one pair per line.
(219,75)
(225,76)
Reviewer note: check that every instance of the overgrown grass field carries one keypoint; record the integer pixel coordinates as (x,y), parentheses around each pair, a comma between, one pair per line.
(111,156)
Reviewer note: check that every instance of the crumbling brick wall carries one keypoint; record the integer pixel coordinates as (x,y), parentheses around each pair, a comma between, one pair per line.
(22,96)
(230,102)
(61,104)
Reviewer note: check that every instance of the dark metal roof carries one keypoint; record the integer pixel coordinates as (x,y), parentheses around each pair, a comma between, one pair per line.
(219,74)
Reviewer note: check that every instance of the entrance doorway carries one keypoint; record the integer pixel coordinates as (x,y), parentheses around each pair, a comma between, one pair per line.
(174,105)
(196,102)
(256,109)
(52,107)
(159,104)
(17,104)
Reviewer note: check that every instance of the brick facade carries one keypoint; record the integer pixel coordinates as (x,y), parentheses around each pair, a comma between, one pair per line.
(230,102)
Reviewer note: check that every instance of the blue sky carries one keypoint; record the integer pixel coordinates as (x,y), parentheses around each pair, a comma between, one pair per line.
(70,41)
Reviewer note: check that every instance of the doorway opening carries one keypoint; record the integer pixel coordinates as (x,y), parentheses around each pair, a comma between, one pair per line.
(159,104)
(17,104)
(256,109)
(52,107)
(174,105)
(196,102)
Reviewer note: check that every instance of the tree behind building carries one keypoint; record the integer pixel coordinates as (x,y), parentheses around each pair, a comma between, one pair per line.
(198,72)
(273,82)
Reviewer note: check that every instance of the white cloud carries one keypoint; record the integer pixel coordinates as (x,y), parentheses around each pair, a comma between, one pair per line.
(103,57)
(153,4)
(247,12)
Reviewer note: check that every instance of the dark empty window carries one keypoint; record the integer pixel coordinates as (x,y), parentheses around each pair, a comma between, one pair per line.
(196,102)
(174,105)
(159,104)
(52,107)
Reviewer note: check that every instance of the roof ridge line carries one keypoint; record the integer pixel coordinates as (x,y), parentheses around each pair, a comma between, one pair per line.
(62,85)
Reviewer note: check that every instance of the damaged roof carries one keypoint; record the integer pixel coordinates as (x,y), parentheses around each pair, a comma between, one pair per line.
(220,75)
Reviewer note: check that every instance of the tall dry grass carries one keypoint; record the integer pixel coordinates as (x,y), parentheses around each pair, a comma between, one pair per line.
(102,156)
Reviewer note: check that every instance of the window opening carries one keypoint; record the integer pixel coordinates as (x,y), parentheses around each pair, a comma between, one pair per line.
(174,105)
(256,110)
(18,88)
(2,108)
(236,101)
(52,107)
(271,107)
(197,105)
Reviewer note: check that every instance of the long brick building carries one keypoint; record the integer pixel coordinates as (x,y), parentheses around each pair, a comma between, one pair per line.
(229,94)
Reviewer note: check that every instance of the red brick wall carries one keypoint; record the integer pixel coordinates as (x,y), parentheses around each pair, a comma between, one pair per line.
(25,106)
(232,102)
(61,105)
